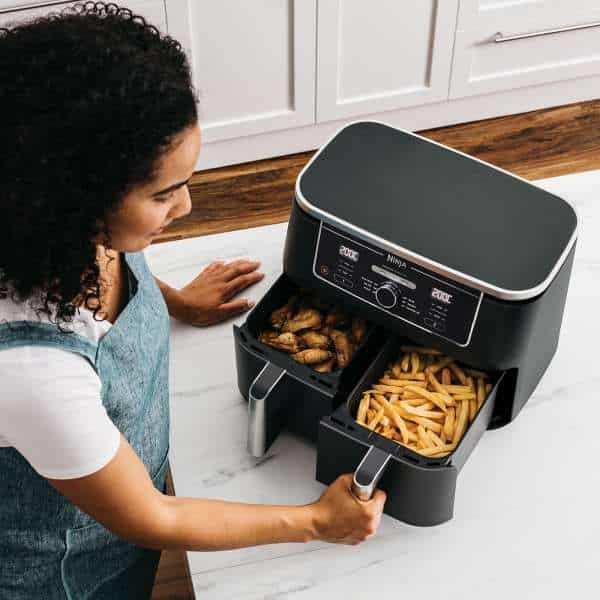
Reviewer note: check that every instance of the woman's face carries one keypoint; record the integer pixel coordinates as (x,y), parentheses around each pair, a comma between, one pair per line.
(148,208)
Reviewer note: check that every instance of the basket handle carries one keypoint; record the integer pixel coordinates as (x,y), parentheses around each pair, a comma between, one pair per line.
(369,472)
(259,415)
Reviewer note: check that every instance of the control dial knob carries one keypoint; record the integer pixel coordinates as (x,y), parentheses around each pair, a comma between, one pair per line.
(387,295)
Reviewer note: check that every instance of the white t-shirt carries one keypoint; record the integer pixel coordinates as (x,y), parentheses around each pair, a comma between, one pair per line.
(50,404)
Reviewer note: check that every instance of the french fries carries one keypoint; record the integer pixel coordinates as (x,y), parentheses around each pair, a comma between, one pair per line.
(424,401)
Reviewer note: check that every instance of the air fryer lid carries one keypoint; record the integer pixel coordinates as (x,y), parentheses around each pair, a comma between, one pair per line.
(456,215)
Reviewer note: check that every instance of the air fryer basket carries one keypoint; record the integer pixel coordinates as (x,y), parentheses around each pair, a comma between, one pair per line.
(288,394)
(420,489)
(258,320)
(372,376)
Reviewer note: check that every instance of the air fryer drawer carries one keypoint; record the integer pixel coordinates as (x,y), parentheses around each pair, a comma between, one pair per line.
(420,490)
(294,404)
(298,396)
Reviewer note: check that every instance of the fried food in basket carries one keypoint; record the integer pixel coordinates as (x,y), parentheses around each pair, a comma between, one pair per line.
(288,342)
(343,347)
(306,318)
(325,367)
(314,339)
(312,356)
(281,315)
(314,333)
(424,401)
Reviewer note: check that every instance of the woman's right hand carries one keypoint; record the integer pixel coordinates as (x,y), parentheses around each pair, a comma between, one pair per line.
(341,518)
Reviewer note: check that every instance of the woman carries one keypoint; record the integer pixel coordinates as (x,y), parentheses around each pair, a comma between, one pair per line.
(99,138)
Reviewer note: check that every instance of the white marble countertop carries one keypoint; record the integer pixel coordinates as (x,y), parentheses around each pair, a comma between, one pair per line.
(527,510)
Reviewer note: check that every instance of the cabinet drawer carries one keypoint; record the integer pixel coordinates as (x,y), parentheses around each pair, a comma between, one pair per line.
(496,57)
(16,11)
(514,14)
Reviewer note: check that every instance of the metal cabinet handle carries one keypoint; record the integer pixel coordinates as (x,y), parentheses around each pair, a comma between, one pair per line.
(23,7)
(500,37)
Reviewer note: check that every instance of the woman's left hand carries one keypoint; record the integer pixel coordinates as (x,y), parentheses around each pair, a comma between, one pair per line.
(208,299)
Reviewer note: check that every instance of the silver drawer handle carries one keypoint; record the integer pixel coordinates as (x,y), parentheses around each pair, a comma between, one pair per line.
(500,37)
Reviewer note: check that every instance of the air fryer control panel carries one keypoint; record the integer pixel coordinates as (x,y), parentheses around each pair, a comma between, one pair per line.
(396,286)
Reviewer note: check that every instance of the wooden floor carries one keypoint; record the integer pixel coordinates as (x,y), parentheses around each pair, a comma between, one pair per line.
(534,145)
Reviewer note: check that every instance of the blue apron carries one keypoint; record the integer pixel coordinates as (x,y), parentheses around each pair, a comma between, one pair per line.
(48,547)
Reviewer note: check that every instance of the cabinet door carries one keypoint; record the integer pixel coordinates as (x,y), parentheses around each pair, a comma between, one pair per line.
(16,11)
(382,55)
(507,45)
(253,63)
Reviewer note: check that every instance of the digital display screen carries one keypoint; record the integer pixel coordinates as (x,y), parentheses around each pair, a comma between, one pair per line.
(349,253)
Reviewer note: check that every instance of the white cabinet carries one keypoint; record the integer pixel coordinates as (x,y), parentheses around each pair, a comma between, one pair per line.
(276,77)
(382,55)
(413,63)
(254,63)
(15,11)
(507,45)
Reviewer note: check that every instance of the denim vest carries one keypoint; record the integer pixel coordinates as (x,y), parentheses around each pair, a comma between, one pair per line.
(48,547)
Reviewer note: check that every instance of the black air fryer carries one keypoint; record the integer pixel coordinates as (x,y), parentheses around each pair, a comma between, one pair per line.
(433,248)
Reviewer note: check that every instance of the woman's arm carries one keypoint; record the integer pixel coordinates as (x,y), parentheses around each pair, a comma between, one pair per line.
(122,497)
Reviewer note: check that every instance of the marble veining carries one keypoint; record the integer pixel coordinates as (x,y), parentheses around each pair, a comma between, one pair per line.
(526,519)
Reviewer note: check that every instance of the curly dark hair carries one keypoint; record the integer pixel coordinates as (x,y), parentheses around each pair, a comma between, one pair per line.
(91,98)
